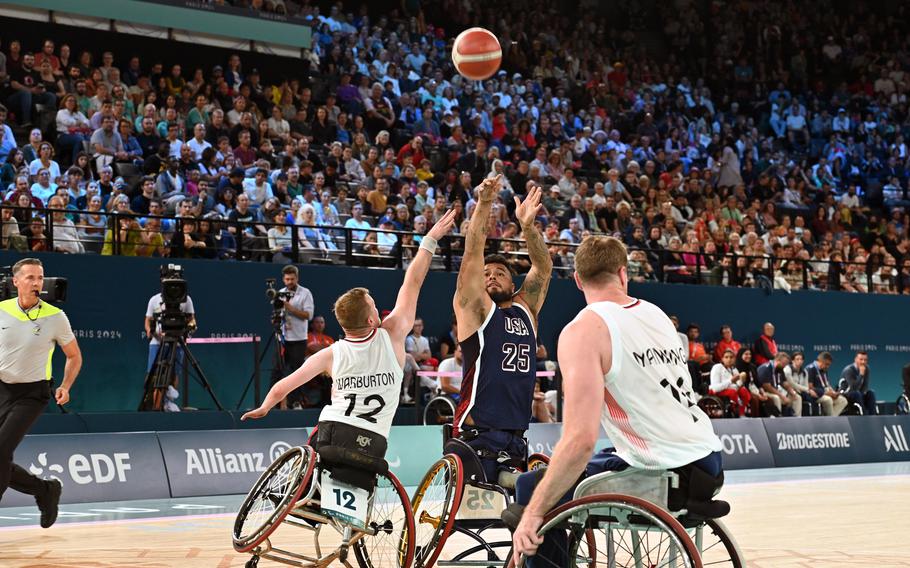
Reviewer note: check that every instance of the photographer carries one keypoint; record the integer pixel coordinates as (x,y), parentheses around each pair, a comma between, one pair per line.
(29,330)
(298,309)
(153,332)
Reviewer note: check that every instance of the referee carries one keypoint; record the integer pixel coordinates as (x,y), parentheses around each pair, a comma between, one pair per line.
(29,328)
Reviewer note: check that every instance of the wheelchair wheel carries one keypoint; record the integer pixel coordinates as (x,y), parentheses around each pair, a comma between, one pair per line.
(439,410)
(717,545)
(434,506)
(272,497)
(617,531)
(903,404)
(392,544)
(538,461)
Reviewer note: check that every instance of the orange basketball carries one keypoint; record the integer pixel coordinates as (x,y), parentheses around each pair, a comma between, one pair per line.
(476,53)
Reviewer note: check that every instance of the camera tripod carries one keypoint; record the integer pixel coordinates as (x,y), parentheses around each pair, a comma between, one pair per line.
(277,336)
(160,375)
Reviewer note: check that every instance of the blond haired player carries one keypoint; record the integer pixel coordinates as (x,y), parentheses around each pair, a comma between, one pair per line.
(623,369)
(367,365)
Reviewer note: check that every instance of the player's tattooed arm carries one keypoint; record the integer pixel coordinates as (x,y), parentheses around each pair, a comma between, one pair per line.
(537,282)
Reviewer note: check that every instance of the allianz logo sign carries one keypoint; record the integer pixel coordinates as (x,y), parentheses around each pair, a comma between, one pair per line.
(895,439)
(212,461)
(84,469)
(815,441)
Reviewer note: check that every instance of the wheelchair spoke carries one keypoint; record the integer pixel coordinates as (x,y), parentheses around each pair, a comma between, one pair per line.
(615,536)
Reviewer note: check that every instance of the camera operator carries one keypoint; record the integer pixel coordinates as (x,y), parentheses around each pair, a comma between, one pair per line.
(298,309)
(29,328)
(152,314)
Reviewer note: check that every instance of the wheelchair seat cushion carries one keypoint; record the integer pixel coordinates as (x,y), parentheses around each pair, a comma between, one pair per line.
(470,461)
(352,467)
(696,493)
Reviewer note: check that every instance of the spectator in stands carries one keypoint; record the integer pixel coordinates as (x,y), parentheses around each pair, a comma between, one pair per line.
(142,203)
(696,349)
(10,237)
(44,161)
(73,128)
(798,378)
(726,342)
(762,405)
(451,385)
(7,138)
(765,347)
(28,90)
(107,146)
(773,381)
(44,188)
(317,339)
(729,383)
(855,384)
(170,185)
(832,402)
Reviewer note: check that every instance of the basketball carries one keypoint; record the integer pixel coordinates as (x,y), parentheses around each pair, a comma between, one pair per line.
(476,53)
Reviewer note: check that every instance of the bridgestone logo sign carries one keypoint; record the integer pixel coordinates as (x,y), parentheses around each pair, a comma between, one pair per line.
(821,441)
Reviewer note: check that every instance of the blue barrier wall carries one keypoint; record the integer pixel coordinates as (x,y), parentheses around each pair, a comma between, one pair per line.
(108,297)
(145,465)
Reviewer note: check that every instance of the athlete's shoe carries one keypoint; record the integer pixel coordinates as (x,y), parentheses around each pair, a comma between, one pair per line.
(48,502)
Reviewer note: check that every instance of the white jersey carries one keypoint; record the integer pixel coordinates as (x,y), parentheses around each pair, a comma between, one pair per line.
(650,413)
(366,382)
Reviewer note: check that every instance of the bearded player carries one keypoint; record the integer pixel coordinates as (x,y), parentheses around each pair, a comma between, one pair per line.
(497,331)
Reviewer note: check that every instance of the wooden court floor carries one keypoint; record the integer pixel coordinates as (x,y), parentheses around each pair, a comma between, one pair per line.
(813,521)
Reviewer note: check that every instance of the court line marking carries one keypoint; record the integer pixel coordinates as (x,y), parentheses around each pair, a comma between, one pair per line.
(895,476)
(126,521)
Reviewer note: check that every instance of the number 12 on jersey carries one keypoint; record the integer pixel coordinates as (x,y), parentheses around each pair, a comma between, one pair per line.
(374,403)
(516,357)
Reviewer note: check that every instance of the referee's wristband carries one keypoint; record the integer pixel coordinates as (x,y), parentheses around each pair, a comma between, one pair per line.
(429,244)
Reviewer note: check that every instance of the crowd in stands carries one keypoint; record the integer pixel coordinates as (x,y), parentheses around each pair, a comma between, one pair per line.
(771,154)
(762,380)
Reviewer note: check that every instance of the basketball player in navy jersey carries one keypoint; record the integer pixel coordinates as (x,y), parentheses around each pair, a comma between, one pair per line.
(367,366)
(497,331)
(624,370)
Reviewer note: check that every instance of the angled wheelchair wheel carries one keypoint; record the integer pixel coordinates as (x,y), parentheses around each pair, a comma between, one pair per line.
(903,404)
(439,410)
(615,531)
(390,542)
(717,546)
(538,461)
(434,505)
(273,496)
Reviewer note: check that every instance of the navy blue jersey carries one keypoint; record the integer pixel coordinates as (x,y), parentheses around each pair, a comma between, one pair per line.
(499,371)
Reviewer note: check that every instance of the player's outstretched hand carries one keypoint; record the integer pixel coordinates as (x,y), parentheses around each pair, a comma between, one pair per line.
(526,211)
(489,188)
(255,413)
(442,227)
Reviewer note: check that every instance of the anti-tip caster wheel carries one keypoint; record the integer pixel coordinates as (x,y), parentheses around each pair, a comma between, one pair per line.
(252,562)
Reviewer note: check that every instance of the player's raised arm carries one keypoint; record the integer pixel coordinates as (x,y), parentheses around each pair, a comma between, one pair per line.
(318,364)
(401,320)
(471,298)
(537,282)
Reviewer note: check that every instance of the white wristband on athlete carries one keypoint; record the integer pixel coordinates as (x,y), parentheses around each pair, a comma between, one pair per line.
(429,244)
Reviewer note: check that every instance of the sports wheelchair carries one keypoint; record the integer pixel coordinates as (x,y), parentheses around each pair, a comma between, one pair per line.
(455,496)
(639,518)
(354,495)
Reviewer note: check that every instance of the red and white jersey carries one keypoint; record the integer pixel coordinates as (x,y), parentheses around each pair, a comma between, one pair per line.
(650,412)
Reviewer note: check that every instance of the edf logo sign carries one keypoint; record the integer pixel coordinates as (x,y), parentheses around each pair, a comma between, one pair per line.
(84,469)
